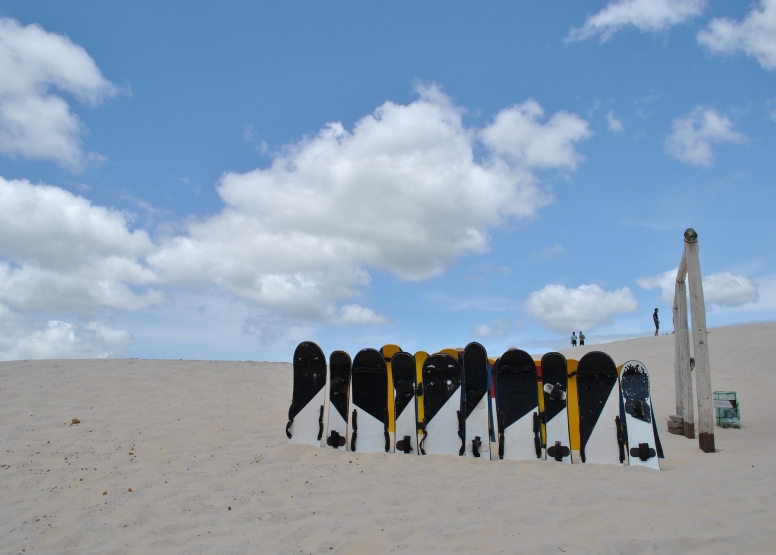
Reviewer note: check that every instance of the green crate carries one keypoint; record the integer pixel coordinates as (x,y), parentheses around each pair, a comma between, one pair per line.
(727,409)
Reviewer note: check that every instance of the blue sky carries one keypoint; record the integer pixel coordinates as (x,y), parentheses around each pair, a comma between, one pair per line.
(224,180)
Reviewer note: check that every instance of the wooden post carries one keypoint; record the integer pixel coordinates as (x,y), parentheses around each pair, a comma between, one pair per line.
(678,392)
(700,343)
(682,359)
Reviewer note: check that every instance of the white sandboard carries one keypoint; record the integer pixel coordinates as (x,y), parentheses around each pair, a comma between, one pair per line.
(602,446)
(442,431)
(638,420)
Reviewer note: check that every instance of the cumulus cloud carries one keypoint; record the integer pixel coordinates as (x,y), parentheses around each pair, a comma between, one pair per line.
(35,121)
(645,15)
(692,136)
(755,35)
(21,339)
(518,134)
(723,289)
(63,253)
(562,309)
(351,314)
(615,125)
(403,192)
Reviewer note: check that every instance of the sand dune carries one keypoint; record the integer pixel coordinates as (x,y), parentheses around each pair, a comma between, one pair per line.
(192,439)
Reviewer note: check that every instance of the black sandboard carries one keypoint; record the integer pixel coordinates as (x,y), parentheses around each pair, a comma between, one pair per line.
(339,396)
(475,401)
(368,424)
(403,366)
(554,389)
(441,401)
(517,403)
(305,415)
(598,399)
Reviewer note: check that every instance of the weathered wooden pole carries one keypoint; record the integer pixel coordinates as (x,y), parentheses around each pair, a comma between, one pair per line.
(700,343)
(682,374)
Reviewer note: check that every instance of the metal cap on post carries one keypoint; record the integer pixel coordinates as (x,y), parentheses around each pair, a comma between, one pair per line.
(690,236)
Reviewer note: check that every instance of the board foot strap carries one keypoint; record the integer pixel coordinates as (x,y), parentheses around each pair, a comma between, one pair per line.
(385,431)
(644,452)
(558,451)
(355,431)
(336,440)
(620,438)
(422,426)
(290,419)
(405,444)
(461,433)
(320,424)
(501,421)
(537,430)
(476,444)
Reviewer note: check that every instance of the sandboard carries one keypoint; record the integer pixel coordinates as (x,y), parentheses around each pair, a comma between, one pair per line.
(572,405)
(403,369)
(555,393)
(640,443)
(305,415)
(517,403)
(388,351)
(599,409)
(420,359)
(475,401)
(492,411)
(442,406)
(339,396)
(368,414)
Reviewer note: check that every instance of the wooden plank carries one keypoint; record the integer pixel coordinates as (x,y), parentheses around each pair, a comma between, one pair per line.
(682,368)
(700,344)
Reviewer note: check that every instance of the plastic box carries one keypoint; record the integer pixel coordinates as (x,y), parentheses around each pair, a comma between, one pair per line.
(727,410)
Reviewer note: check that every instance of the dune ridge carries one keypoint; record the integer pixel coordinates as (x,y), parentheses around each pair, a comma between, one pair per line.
(202,446)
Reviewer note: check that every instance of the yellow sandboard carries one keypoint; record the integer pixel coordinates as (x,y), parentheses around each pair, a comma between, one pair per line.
(388,351)
(572,405)
(420,358)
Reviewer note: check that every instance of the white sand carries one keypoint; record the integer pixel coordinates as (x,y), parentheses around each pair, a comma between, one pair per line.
(210,435)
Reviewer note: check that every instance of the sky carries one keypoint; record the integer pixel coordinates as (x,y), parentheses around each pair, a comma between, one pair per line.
(223,180)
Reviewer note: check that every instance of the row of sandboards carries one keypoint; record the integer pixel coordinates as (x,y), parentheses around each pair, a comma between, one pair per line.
(460,402)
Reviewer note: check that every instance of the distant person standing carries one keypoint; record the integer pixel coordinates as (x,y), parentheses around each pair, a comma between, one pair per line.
(573,339)
(581,339)
(657,321)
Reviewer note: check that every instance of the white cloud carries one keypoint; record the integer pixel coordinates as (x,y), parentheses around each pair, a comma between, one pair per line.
(517,134)
(34,121)
(21,339)
(63,253)
(402,192)
(723,289)
(482,330)
(755,35)
(561,309)
(353,314)
(728,290)
(692,136)
(665,282)
(645,15)
(615,125)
